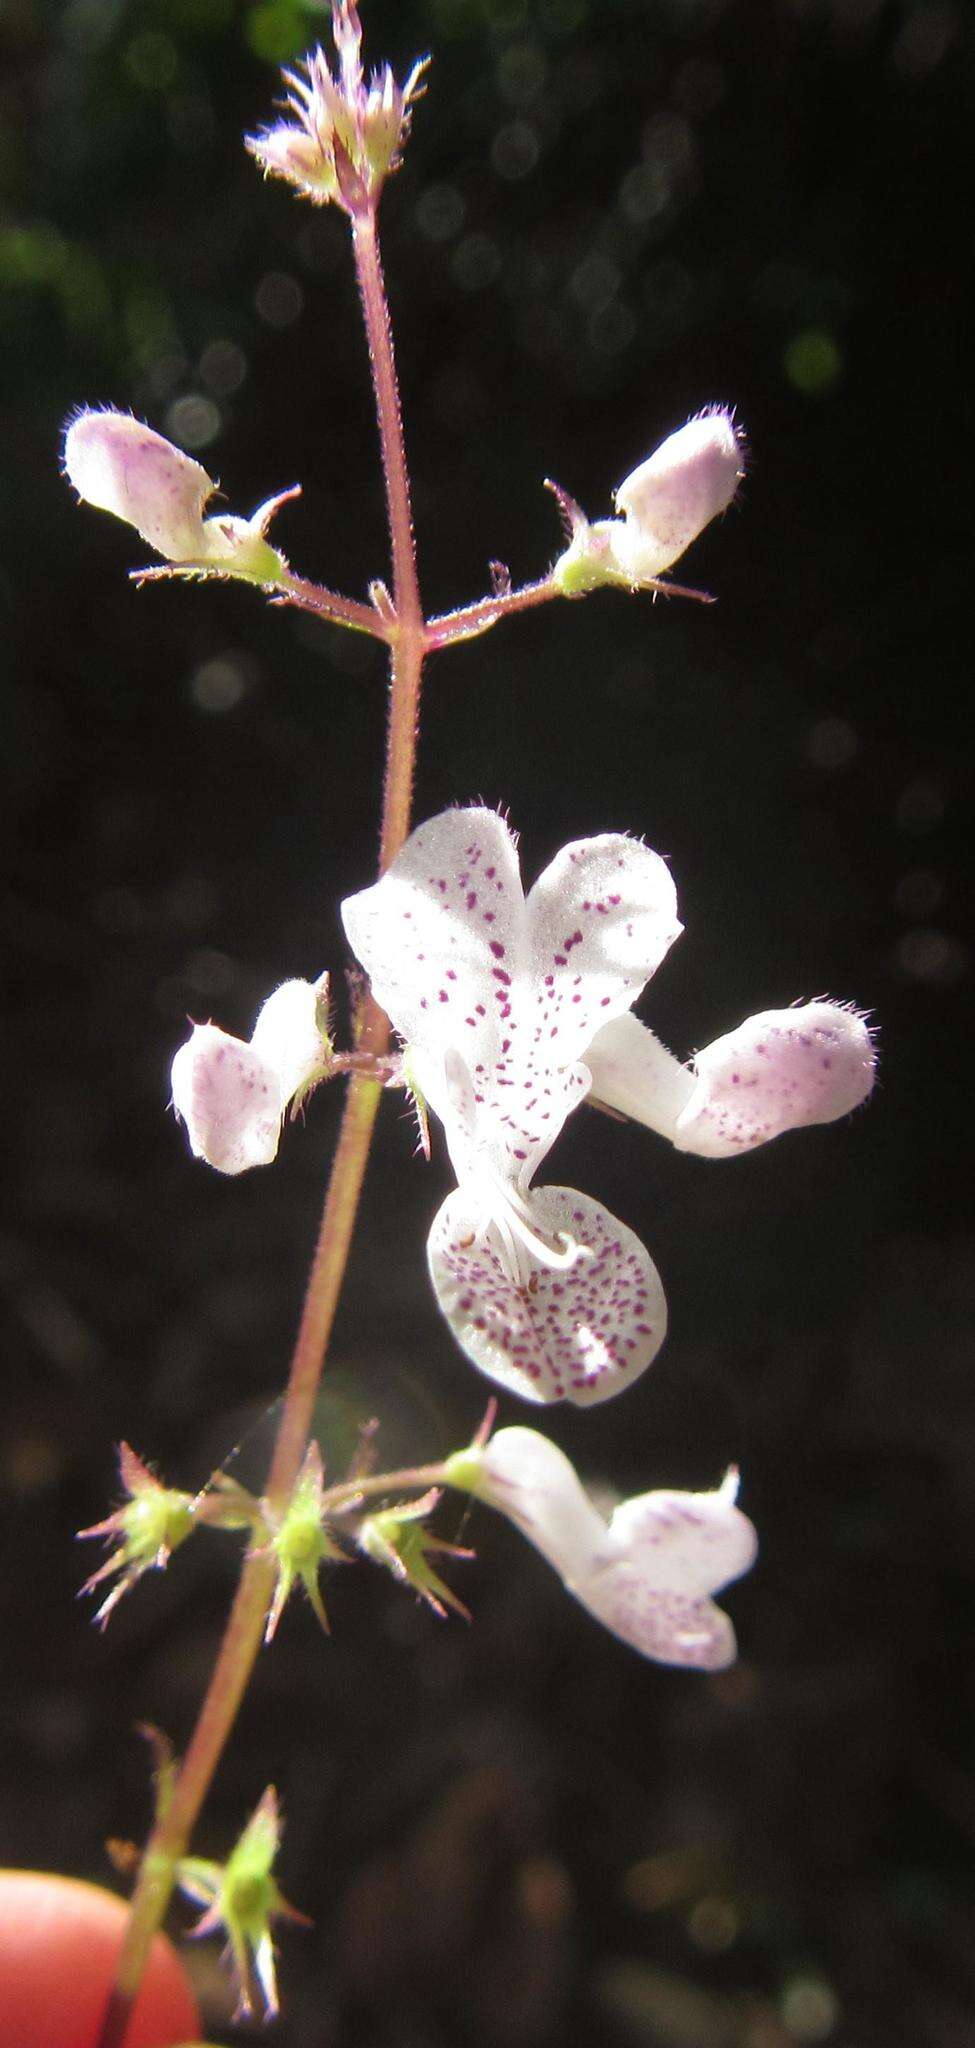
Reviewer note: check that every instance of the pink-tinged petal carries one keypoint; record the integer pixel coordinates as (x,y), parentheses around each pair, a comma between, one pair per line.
(527,1478)
(579,1332)
(666,1626)
(442,936)
(633,1073)
(687,1543)
(601,919)
(674,495)
(229,1099)
(121,466)
(776,1072)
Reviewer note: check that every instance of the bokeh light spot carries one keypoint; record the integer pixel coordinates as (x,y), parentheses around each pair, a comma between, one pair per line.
(920,807)
(515,150)
(813,362)
(440,212)
(193,421)
(918,893)
(476,262)
(808,2009)
(832,743)
(937,957)
(151,60)
(223,367)
(278,299)
(219,685)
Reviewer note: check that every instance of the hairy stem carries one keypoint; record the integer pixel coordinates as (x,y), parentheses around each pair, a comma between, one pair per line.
(327,604)
(472,619)
(245,1626)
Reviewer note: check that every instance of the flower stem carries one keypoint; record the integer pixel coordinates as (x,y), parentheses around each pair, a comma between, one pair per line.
(245,1626)
(327,604)
(472,619)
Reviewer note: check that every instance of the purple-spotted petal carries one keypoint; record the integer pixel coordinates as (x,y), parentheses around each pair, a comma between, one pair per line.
(666,1626)
(527,1478)
(778,1071)
(688,1543)
(601,919)
(577,1333)
(229,1098)
(442,937)
(506,1117)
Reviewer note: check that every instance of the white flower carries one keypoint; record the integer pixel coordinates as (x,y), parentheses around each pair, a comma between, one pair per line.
(512,1011)
(121,466)
(665,504)
(649,1572)
(232,1095)
(497,999)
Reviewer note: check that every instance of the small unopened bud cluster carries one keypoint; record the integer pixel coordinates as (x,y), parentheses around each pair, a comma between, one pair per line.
(346,136)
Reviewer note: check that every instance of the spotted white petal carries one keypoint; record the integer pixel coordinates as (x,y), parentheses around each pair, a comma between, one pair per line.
(528,1479)
(601,918)
(545,1328)
(669,1627)
(632,1072)
(229,1098)
(691,1543)
(777,1071)
(439,936)
(663,1554)
(121,466)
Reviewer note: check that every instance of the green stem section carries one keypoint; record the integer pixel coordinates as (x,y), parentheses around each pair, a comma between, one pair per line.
(245,1626)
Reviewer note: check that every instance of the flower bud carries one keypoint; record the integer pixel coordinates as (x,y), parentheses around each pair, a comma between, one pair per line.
(665,504)
(121,466)
(118,465)
(346,135)
(675,494)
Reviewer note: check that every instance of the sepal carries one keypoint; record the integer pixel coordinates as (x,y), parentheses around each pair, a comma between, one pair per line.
(396,1538)
(299,1543)
(241,1898)
(146,1529)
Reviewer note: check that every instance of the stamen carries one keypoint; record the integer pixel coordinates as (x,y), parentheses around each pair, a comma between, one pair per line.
(512,1219)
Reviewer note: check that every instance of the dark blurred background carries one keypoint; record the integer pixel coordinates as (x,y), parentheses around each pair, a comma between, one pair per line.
(516,1835)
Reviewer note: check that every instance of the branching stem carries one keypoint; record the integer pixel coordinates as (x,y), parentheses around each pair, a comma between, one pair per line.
(244,1631)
